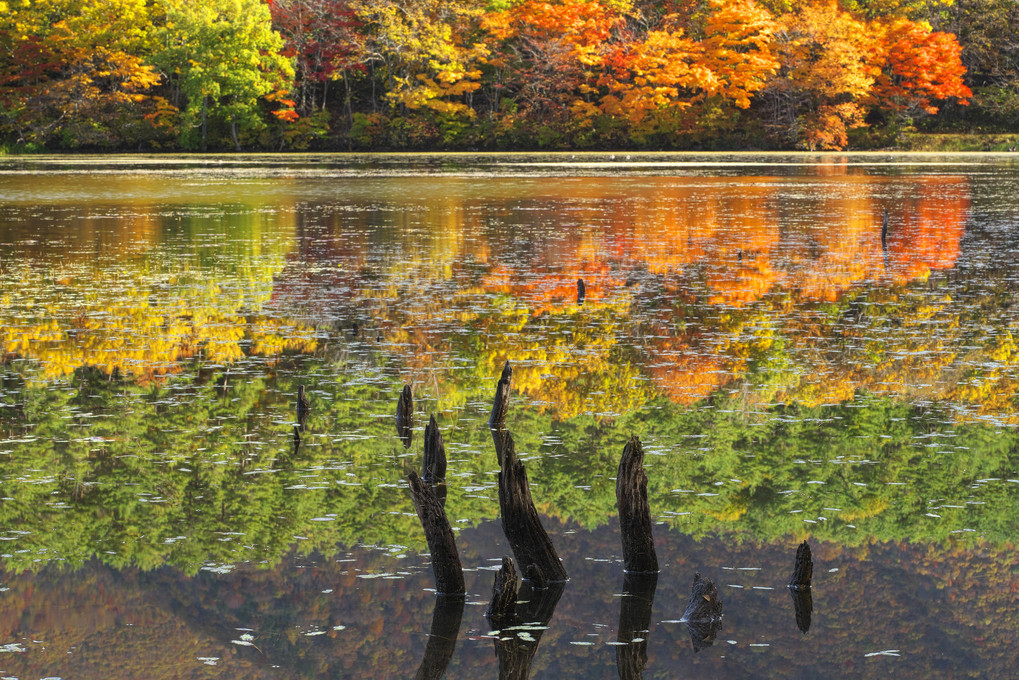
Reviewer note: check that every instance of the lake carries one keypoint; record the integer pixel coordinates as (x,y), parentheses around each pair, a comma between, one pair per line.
(794,372)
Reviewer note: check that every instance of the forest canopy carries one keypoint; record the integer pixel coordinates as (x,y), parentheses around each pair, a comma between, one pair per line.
(500,74)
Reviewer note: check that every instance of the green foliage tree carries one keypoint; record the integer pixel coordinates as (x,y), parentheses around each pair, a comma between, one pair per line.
(223,61)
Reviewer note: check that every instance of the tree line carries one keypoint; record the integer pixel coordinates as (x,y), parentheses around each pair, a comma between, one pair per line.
(499,74)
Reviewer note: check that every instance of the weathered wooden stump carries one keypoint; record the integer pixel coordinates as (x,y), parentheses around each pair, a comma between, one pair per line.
(435,454)
(405,416)
(449,578)
(884,232)
(634,624)
(446,618)
(705,602)
(503,606)
(500,405)
(799,586)
(703,615)
(581,291)
(803,570)
(531,545)
(634,511)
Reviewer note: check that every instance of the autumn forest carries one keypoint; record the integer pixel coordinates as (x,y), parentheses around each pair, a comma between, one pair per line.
(172,75)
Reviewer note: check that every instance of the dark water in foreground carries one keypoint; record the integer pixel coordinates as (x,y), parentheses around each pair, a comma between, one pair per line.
(791,378)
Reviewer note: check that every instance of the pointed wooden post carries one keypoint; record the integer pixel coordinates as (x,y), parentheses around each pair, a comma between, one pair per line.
(449,578)
(531,545)
(405,416)
(799,587)
(581,291)
(500,405)
(634,511)
(803,570)
(435,454)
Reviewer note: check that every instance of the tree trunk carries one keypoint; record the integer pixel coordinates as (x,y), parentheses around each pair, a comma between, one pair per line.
(531,545)
(634,511)
(405,416)
(449,578)
(435,454)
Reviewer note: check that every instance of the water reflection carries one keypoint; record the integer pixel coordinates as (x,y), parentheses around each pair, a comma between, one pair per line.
(788,378)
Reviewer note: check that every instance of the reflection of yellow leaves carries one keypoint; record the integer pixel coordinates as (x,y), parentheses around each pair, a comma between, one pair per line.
(137,333)
(870,508)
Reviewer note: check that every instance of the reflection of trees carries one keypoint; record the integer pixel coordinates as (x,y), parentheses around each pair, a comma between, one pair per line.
(203,471)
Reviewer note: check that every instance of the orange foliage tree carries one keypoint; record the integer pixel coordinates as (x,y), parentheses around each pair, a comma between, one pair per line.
(917,68)
(826,74)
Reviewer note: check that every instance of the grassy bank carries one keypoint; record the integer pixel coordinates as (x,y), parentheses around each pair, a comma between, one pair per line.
(960,142)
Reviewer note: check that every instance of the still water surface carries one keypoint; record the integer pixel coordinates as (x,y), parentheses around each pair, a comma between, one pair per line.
(791,376)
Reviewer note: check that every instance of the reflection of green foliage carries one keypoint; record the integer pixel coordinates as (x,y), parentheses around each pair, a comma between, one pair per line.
(202,469)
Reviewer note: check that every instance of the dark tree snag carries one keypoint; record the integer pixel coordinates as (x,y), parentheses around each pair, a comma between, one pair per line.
(435,454)
(634,624)
(535,576)
(520,522)
(297,439)
(705,602)
(634,512)
(303,406)
(581,291)
(703,616)
(449,578)
(803,571)
(803,605)
(501,404)
(442,636)
(405,416)
(499,437)
(884,233)
(497,421)
(503,606)
(517,637)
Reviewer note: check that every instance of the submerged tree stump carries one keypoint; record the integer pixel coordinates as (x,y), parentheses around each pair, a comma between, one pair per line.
(703,615)
(449,578)
(503,606)
(435,454)
(634,624)
(500,406)
(705,602)
(446,618)
(405,416)
(581,291)
(884,232)
(799,587)
(803,570)
(531,545)
(634,511)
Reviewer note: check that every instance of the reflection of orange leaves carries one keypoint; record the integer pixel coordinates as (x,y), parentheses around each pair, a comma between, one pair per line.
(740,282)
(689,377)
(556,290)
(928,233)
